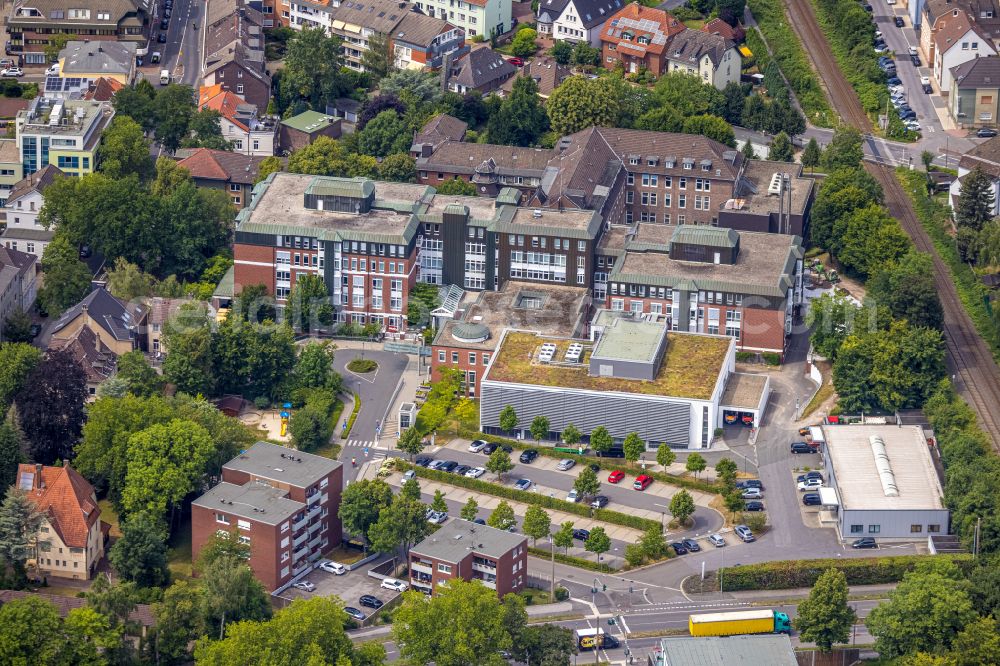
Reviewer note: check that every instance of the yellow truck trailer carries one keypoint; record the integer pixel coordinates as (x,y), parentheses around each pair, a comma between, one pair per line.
(739,622)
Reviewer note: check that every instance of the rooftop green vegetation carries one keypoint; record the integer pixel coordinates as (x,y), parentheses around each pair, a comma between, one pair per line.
(689,369)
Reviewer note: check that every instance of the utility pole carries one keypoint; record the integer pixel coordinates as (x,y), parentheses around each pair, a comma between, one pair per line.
(552,588)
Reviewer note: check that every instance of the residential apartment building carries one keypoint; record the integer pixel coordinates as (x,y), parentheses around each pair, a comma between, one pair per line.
(986,157)
(10,168)
(958,40)
(233,51)
(637,38)
(461,549)
(18,283)
(281,502)
(32,24)
(242,125)
(224,170)
(302,130)
(575,20)
(975,97)
(70,540)
(64,133)
(23,232)
(745,285)
(929,15)
(475,17)
(547,73)
(94,60)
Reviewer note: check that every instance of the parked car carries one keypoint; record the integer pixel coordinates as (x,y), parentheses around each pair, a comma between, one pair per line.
(865,542)
(528,456)
(894,81)
(812,499)
(393,584)
(986,132)
(479,521)
(355,614)
(753,505)
(477,446)
(523,484)
(461,470)
(573,496)
(490,448)
(594,467)
(927,88)
(517,62)
(881,48)
(436,517)
(448,466)
(750,483)
(691,545)
(925,80)
(716,540)
(161,38)
(809,475)
(899,21)
(744,533)
(906,112)
(915,59)
(810,484)
(155,57)
(912,125)
(565,464)
(581,535)
(641,482)
(869,9)
(435,464)
(370,601)
(423,461)
(304,585)
(335,568)
(53,70)
(600,502)
(12,71)
(164,24)
(679,548)
(475,472)
(802,447)
(751,493)
(35,330)
(616,476)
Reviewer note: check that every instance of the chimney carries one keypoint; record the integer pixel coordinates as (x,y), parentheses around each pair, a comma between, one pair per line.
(38,483)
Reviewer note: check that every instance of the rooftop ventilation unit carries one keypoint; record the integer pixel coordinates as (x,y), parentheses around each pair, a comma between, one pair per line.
(883,466)
(775,186)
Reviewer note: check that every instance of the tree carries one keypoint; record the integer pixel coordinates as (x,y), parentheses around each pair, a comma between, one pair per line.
(524,42)
(869,239)
(17,362)
(180,620)
(579,103)
(188,336)
(781,149)
(653,544)
(232,594)
(561,51)
(502,516)
(665,456)
(139,376)
(748,151)
(735,96)
(571,435)
(842,192)
(309,305)
(140,555)
(547,644)
(205,131)
(439,503)
(384,135)
(470,510)
(50,407)
(695,463)
(977,643)
(456,186)
(907,288)
(832,318)
(67,279)
(92,639)
(661,119)
(587,484)
(173,108)
(166,462)
(19,522)
(633,446)
(975,201)
(733,500)
(378,59)
(586,55)
(688,94)
(539,428)
(136,102)
(825,617)
(459,625)
(411,442)
(31,633)
(844,149)
(598,542)
(417,87)
(682,506)
(398,168)
(711,126)
(508,419)
(311,71)
(927,158)
(253,359)
(536,523)
(563,538)
(402,523)
(10,454)
(601,439)
(17,326)
(361,504)
(521,119)
(499,463)
(314,369)
(323,157)
(56,44)
(811,155)
(124,150)
(726,470)
(411,490)
(127,281)
(924,613)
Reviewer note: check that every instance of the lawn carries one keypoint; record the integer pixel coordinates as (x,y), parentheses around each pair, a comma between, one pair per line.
(344,555)
(695,24)
(179,554)
(689,369)
(534,597)
(110,516)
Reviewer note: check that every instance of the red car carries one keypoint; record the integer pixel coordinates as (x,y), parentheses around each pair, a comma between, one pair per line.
(616,476)
(517,62)
(642,482)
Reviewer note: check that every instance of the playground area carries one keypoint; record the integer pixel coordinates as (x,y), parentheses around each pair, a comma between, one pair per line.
(268,420)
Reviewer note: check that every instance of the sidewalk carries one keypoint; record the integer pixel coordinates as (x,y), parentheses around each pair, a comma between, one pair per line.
(790,593)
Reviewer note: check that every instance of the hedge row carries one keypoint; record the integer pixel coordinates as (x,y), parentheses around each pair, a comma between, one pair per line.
(803,573)
(787,50)
(580,562)
(353,416)
(609,464)
(538,499)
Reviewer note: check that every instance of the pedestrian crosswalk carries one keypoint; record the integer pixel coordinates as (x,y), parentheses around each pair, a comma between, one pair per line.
(361,444)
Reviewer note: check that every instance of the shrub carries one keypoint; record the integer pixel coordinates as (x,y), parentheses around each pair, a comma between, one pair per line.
(755,520)
(772,358)
(572,561)
(744,356)
(362,365)
(353,416)
(562,594)
(262,402)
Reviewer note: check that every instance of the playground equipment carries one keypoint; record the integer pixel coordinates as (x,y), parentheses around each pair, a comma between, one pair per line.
(285,415)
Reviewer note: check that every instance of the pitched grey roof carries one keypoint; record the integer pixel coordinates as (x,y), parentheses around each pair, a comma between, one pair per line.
(440,128)
(454,541)
(595,12)
(549,10)
(116,9)
(986,156)
(582,171)
(419,29)
(108,312)
(690,45)
(666,146)
(481,67)
(546,72)
(466,158)
(978,73)
(378,15)
(36,182)
(105,57)
(12,264)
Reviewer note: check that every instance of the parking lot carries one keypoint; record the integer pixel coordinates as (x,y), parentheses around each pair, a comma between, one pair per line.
(348,587)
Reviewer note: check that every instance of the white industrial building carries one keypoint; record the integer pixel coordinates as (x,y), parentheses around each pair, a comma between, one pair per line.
(882,482)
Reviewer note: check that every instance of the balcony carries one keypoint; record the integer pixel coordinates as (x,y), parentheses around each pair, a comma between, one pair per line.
(301,539)
(315,527)
(300,568)
(312,499)
(299,524)
(299,554)
(315,541)
(422,568)
(484,567)
(313,512)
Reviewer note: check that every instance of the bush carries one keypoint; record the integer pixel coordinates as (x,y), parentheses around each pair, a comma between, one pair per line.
(562,594)
(744,356)
(572,561)
(803,573)
(353,416)
(772,358)
(262,402)
(362,365)
(755,520)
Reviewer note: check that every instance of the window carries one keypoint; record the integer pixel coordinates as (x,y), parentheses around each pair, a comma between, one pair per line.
(965,46)
(486,359)
(444,568)
(454,357)
(630,180)
(472,358)
(630,197)
(874,529)
(284,527)
(916,529)
(222,518)
(933,529)
(243,524)
(633,159)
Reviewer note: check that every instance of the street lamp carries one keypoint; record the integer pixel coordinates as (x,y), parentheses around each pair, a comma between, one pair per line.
(552,587)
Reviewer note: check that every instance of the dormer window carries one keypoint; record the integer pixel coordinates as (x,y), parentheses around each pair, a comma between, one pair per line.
(651,161)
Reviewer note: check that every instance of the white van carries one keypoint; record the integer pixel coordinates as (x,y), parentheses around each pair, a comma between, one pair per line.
(164,77)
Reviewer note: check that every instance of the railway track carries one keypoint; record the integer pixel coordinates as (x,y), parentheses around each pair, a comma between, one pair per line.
(977,377)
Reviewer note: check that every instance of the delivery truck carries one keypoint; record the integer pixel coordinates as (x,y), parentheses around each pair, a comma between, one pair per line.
(739,622)
(586,639)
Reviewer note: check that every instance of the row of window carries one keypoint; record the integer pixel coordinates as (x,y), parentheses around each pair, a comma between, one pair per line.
(363,265)
(473,357)
(665,293)
(361,247)
(650,216)
(914,529)
(286,258)
(539,258)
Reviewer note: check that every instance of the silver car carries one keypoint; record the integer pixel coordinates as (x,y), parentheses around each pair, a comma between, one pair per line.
(716,540)
(477,446)
(565,464)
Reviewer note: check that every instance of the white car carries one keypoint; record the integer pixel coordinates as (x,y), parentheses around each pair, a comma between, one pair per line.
(523,484)
(53,70)
(436,464)
(437,517)
(475,472)
(477,446)
(752,493)
(330,566)
(573,496)
(12,71)
(913,126)
(810,484)
(912,50)
(393,584)
(925,80)
(565,464)
(304,585)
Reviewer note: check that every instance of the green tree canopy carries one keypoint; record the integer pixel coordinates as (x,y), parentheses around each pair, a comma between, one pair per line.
(682,506)
(312,69)
(536,523)
(695,463)
(140,555)
(825,617)
(124,150)
(456,186)
(781,149)
(844,149)
(502,516)
(869,238)
(975,201)
(470,510)
(520,119)
(165,463)
(598,542)
(587,483)
(711,126)
(524,42)
(499,463)
(633,446)
(601,439)
(309,306)
(539,427)
(812,154)
(579,103)
(906,287)
(67,279)
(361,503)
(688,94)
(384,135)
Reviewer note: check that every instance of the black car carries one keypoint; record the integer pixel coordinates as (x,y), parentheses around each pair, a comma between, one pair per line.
(802,447)
(528,456)
(811,499)
(893,81)
(166,12)
(612,453)
(610,642)
(753,505)
(594,467)
(355,614)
(370,601)
(899,21)
(490,448)
(809,475)
(691,545)
(162,38)
(869,9)
(907,114)
(986,133)
(750,483)
(581,535)
(915,59)
(479,521)
(164,24)
(423,461)
(865,542)
(448,466)
(462,469)
(600,502)
(679,548)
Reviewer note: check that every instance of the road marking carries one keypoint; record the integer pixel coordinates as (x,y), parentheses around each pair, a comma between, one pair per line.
(624,626)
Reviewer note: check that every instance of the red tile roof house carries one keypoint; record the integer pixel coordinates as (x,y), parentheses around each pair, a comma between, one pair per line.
(223,169)
(638,38)
(70,539)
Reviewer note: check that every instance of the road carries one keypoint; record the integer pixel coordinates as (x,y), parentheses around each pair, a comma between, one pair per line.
(969,358)
(182,51)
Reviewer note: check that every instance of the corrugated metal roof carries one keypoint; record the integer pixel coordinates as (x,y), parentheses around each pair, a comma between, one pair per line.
(693,234)
(357,188)
(773,650)
(778,290)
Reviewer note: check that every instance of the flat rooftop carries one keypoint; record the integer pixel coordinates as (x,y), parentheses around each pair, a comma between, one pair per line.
(612,241)
(758,174)
(690,367)
(282,464)
(457,538)
(728,651)
(630,340)
(859,483)
(553,219)
(763,267)
(480,208)
(743,390)
(253,501)
(548,309)
(650,233)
